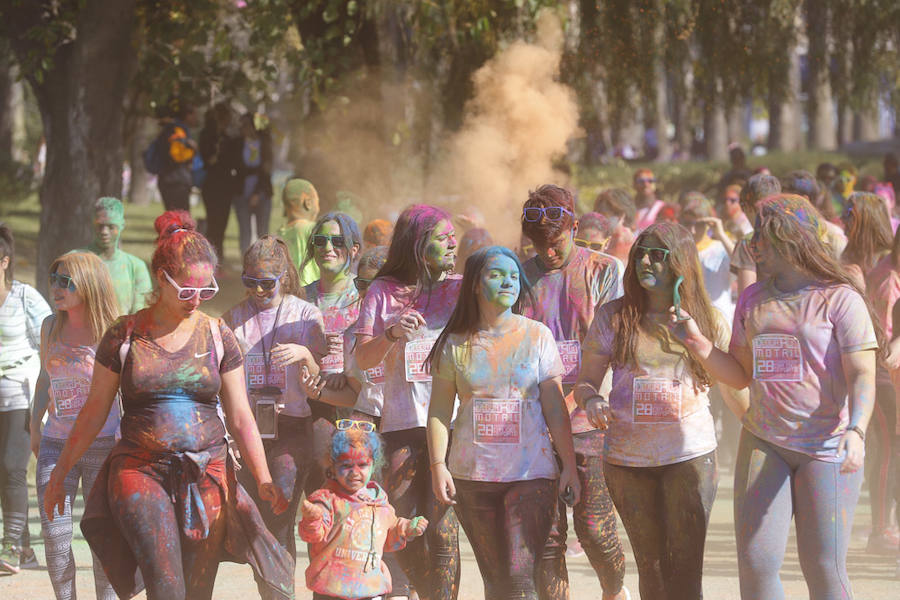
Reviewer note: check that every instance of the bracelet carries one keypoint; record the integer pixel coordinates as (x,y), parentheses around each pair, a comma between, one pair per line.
(436,463)
(859,431)
(390,338)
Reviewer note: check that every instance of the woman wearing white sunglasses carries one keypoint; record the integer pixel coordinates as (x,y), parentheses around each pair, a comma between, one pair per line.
(167,489)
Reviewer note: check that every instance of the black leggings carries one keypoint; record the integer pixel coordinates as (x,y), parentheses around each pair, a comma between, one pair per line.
(431,562)
(879,467)
(595,526)
(15,448)
(507,525)
(665,511)
(289,459)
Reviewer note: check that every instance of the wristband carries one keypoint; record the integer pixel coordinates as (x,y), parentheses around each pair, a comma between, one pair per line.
(859,431)
(389,336)
(436,463)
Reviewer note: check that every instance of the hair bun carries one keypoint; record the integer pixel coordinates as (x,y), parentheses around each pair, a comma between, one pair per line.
(171,222)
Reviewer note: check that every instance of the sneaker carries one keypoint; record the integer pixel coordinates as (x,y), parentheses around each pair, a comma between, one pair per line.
(885,542)
(28,559)
(9,559)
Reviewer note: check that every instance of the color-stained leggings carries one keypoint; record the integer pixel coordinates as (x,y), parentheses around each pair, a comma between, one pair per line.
(431,562)
(58,533)
(665,511)
(15,448)
(595,526)
(173,567)
(770,485)
(507,525)
(880,441)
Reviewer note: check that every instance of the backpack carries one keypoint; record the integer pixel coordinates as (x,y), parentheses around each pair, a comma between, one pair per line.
(156,155)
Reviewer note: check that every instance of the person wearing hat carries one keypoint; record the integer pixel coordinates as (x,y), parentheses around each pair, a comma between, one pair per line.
(130,277)
(301,207)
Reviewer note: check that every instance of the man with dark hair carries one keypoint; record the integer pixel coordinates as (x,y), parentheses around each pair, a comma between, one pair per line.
(739,173)
(569,284)
(804,184)
(743,266)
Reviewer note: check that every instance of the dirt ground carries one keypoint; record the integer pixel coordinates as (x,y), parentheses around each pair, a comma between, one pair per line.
(872,575)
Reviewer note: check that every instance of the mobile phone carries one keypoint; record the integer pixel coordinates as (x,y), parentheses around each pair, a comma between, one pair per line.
(267,418)
(568,496)
(676,298)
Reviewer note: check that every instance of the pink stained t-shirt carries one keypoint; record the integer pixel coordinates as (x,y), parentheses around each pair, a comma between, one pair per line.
(298,323)
(339,312)
(371,392)
(660,415)
(500,433)
(565,300)
(407,383)
(798,394)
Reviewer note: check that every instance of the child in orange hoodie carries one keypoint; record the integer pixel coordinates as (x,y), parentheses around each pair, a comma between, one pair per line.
(349,524)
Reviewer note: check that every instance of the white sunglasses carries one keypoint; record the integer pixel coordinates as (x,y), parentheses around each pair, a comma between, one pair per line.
(186,293)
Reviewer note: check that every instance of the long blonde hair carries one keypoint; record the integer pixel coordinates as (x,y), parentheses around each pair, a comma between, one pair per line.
(94,286)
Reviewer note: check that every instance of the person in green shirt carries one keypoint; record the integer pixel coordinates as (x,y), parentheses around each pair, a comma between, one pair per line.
(301,207)
(130,276)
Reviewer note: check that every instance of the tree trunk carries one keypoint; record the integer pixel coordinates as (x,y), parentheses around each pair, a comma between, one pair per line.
(139,185)
(682,103)
(660,86)
(844,124)
(81,103)
(715,131)
(822,133)
(784,108)
(866,126)
(6,107)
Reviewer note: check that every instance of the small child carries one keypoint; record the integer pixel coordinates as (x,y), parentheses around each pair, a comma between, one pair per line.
(349,524)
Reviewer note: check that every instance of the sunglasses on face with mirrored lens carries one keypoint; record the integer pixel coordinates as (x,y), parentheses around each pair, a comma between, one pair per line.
(646,180)
(347,424)
(533,214)
(655,254)
(266,284)
(63,282)
(361,284)
(187,293)
(320,240)
(595,246)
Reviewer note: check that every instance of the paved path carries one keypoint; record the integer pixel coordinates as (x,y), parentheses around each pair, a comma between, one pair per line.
(872,575)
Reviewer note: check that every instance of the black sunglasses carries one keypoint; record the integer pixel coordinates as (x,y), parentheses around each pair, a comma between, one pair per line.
(267,284)
(320,240)
(656,255)
(533,214)
(361,284)
(63,282)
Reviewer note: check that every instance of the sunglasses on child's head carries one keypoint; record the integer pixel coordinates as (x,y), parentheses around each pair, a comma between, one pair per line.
(266,284)
(320,240)
(63,282)
(347,424)
(533,214)
(187,293)
(656,254)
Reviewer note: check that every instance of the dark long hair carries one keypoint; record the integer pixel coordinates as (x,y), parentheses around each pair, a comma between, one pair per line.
(272,248)
(349,229)
(7,248)
(795,229)
(466,315)
(406,255)
(684,261)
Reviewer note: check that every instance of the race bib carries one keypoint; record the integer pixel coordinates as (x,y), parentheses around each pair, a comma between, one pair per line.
(415,354)
(375,375)
(497,421)
(570,353)
(69,395)
(656,400)
(256,373)
(777,357)
(334,363)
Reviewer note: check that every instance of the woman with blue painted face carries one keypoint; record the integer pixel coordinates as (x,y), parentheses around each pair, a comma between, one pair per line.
(501,472)
(279,335)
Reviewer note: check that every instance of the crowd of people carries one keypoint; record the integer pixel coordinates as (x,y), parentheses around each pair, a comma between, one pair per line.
(379,387)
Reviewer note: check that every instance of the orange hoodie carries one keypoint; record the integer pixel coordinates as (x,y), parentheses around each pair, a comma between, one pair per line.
(346,545)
